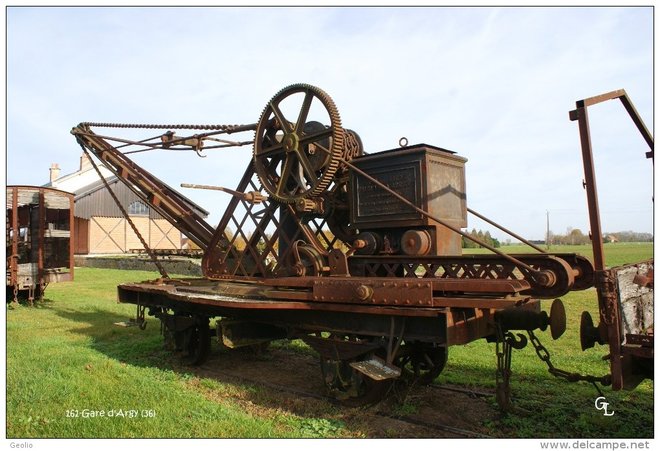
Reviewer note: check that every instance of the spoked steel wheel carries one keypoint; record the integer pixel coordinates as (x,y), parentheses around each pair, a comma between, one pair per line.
(197,341)
(348,385)
(421,362)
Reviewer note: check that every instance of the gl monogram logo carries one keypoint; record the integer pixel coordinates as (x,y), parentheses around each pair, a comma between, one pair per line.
(600,404)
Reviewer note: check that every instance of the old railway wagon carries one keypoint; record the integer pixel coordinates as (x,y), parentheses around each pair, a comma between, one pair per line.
(356,253)
(39,240)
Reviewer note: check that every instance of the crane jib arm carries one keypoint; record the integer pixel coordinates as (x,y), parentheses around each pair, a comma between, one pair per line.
(169,203)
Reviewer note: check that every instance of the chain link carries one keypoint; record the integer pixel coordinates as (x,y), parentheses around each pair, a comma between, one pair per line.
(227,128)
(503,372)
(352,145)
(544,355)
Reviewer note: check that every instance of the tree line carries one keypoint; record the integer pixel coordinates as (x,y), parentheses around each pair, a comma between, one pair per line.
(575,236)
(482,236)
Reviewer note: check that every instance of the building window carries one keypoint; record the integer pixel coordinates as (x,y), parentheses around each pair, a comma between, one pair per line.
(137,208)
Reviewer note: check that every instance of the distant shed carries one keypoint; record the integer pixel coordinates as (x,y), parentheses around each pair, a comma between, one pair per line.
(100,226)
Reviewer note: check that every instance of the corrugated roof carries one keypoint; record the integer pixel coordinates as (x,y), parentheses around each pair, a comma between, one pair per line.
(94,200)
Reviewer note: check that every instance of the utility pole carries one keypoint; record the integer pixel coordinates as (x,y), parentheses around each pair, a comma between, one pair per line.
(547,229)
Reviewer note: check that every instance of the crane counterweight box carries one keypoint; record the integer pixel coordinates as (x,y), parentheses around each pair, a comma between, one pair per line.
(431,178)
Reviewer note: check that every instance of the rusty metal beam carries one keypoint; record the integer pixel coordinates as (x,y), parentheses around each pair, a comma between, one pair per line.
(600,98)
(628,105)
(507,231)
(42,235)
(634,115)
(582,118)
(128,293)
(605,283)
(72,236)
(15,238)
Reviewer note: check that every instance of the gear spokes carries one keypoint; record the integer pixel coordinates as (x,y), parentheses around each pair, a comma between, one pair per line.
(297,160)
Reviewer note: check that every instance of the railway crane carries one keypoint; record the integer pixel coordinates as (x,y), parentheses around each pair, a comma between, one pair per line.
(358,254)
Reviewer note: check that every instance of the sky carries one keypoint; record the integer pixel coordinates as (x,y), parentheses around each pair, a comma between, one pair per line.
(494,85)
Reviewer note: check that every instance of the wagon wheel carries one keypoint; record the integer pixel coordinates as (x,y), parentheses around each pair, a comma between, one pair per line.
(349,386)
(421,362)
(297,160)
(197,341)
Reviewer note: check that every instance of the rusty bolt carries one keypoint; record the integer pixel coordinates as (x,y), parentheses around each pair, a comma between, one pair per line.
(546,278)
(364,292)
(299,270)
(359,244)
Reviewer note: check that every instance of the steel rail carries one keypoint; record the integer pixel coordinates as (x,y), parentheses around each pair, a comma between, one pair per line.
(406,419)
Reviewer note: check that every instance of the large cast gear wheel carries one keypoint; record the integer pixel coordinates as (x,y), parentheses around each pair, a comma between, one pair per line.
(298,144)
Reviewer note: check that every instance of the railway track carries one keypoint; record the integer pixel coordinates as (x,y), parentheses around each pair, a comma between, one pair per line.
(467,391)
(414,421)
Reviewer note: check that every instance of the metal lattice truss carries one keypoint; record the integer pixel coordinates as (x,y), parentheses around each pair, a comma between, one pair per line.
(267,239)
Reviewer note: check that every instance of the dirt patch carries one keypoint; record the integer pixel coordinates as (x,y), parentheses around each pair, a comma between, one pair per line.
(257,382)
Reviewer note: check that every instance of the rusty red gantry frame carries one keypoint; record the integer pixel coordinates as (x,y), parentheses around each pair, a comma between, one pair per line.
(623,307)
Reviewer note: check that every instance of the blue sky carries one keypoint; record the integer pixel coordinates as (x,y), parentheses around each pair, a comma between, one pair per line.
(493,84)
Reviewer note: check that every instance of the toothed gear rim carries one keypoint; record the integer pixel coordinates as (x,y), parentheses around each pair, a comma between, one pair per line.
(276,163)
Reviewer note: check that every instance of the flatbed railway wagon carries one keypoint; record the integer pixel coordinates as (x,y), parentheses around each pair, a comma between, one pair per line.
(358,254)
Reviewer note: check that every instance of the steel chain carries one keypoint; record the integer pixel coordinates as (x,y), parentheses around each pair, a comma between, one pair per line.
(163,126)
(499,374)
(544,355)
(352,148)
(503,373)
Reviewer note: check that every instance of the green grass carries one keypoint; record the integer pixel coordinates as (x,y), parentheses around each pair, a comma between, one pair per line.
(65,358)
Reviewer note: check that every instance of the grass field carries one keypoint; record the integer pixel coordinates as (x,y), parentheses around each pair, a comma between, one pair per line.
(67,362)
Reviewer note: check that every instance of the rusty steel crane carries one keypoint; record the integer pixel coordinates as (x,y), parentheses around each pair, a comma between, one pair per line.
(357,254)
